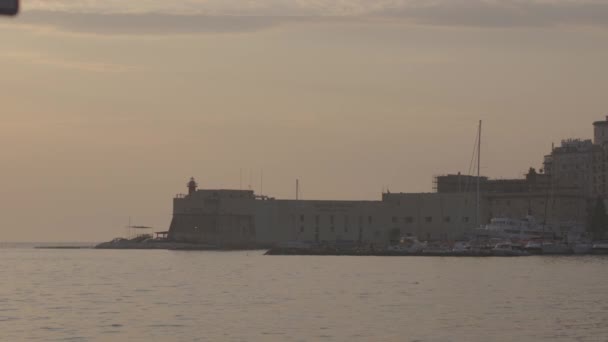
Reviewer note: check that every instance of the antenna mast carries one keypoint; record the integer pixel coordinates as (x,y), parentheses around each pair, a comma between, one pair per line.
(250,178)
(478,171)
(297,189)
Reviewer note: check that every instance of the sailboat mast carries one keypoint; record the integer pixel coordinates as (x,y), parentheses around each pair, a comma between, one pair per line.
(478,171)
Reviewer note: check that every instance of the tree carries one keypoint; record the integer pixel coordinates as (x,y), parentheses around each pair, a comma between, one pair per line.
(599,219)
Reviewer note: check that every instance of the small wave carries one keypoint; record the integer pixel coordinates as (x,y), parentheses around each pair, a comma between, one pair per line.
(166,325)
(74,338)
(8,319)
(50,328)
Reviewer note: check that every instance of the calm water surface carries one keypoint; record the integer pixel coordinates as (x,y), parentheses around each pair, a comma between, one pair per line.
(103,295)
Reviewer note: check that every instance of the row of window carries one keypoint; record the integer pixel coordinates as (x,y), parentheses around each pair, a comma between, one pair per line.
(331,219)
(395,220)
(332,229)
(508,203)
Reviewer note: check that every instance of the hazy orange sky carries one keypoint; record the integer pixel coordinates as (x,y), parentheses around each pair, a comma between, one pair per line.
(108,107)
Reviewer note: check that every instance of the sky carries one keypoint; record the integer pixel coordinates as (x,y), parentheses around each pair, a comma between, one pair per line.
(108,107)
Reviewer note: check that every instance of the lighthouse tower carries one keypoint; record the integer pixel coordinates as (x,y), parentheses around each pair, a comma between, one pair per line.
(191,186)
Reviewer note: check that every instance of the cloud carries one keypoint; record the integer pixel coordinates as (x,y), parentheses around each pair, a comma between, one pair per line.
(147,23)
(264,8)
(199,16)
(90,66)
(505,13)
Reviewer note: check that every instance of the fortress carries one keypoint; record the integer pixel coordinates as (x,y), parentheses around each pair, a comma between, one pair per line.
(239,217)
(561,194)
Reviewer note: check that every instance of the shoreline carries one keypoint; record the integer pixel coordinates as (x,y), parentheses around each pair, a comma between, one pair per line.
(275,250)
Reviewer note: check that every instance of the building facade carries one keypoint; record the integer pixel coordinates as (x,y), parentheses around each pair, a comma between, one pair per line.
(239,217)
(536,194)
(582,164)
(571,165)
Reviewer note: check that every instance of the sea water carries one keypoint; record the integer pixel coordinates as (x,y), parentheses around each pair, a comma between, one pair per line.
(157,295)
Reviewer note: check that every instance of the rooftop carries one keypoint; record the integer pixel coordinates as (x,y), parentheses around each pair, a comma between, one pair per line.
(601,123)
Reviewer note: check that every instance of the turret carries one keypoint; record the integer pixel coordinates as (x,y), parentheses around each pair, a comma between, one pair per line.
(191,186)
(600,132)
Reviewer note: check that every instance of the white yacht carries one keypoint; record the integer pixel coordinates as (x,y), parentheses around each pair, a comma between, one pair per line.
(506,249)
(582,247)
(556,247)
(534,246)
(461,246)
(600,247)
(407,245)
(548,247)
(514,229)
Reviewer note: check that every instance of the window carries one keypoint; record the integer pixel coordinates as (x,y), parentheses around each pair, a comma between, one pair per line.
(369,219)
(409,219)
(317,219)
(446,219)
(332,229)
(428,219)
(301,229)
(394,219)
(465,219)
(331,219)
(301,218)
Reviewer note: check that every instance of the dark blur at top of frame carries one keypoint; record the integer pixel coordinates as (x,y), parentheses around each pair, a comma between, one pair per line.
(9,7)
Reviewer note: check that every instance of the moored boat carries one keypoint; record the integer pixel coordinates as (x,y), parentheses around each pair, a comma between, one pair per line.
(600,247)
(534,247)
(556,247)
(409,245)
(461,247)
(515,229)
(507,249)
(582,247)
